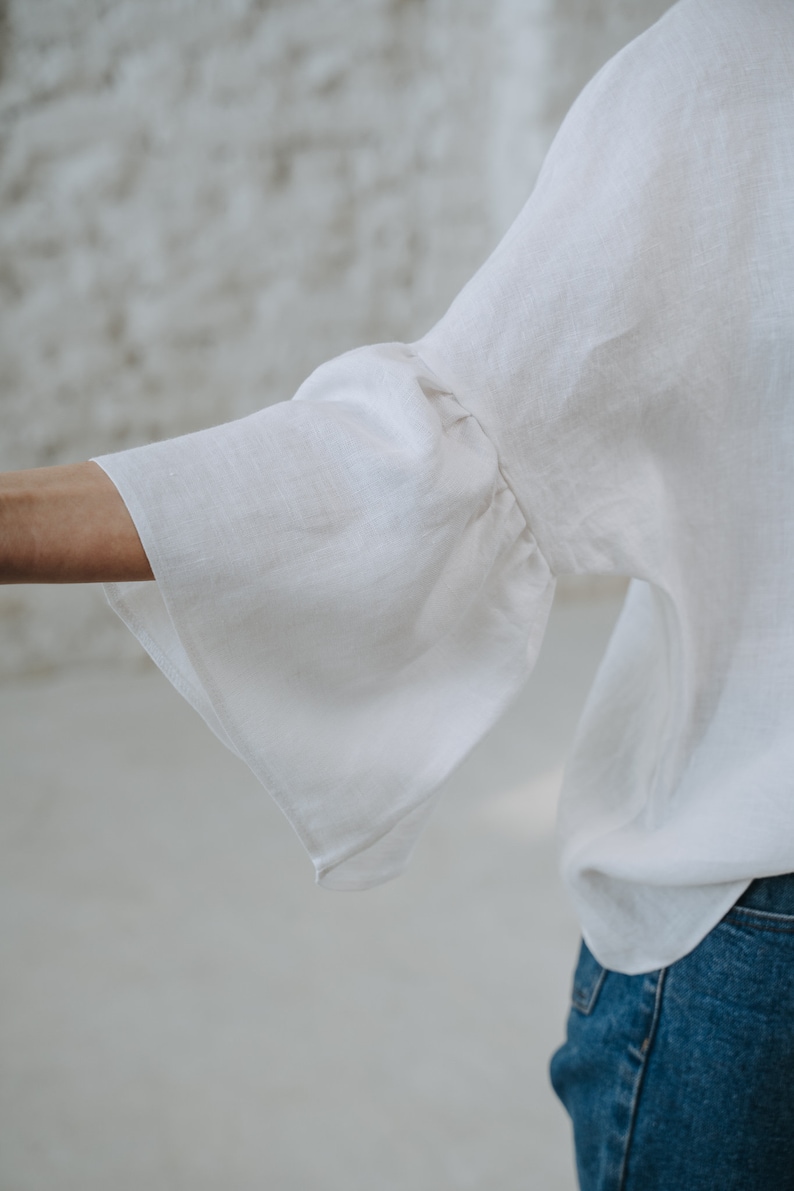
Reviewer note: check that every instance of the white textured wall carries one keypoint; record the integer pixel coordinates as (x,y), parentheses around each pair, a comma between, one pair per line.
(202,200)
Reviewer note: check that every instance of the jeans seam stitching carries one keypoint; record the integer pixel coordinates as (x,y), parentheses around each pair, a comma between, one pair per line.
(586,1005)
(770,915)
(657,1007)
(768,927)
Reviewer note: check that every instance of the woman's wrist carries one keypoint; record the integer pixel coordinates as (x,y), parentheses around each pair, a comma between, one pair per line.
(67,525)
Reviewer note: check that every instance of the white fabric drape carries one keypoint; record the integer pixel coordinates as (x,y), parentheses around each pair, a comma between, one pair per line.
(348,593)
(351,586)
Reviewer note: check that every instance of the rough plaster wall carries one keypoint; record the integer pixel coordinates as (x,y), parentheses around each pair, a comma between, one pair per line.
(202,201)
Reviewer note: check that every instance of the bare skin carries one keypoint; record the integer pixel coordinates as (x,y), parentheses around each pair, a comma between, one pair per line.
(67,525)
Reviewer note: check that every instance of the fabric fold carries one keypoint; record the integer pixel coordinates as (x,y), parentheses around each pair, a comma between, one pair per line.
(352,586)
(347,592)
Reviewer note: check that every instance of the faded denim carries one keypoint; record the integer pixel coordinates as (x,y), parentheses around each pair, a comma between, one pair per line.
(683,1079)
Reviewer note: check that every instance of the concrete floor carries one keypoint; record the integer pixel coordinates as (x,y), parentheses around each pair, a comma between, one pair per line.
(180,1006)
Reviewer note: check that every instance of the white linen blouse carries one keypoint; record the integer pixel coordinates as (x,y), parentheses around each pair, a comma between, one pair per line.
(353,585)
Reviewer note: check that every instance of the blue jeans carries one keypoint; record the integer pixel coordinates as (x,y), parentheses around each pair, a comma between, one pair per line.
(683,1079)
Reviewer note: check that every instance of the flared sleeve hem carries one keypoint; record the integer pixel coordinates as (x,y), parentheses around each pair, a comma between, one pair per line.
(346,591)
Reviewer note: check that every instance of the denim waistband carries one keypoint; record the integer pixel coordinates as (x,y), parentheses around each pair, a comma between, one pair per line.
(775,895)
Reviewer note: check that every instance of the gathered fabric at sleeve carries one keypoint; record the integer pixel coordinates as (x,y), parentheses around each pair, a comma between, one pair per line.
(346,590)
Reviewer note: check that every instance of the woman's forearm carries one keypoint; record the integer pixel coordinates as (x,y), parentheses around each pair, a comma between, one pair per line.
(67,525)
